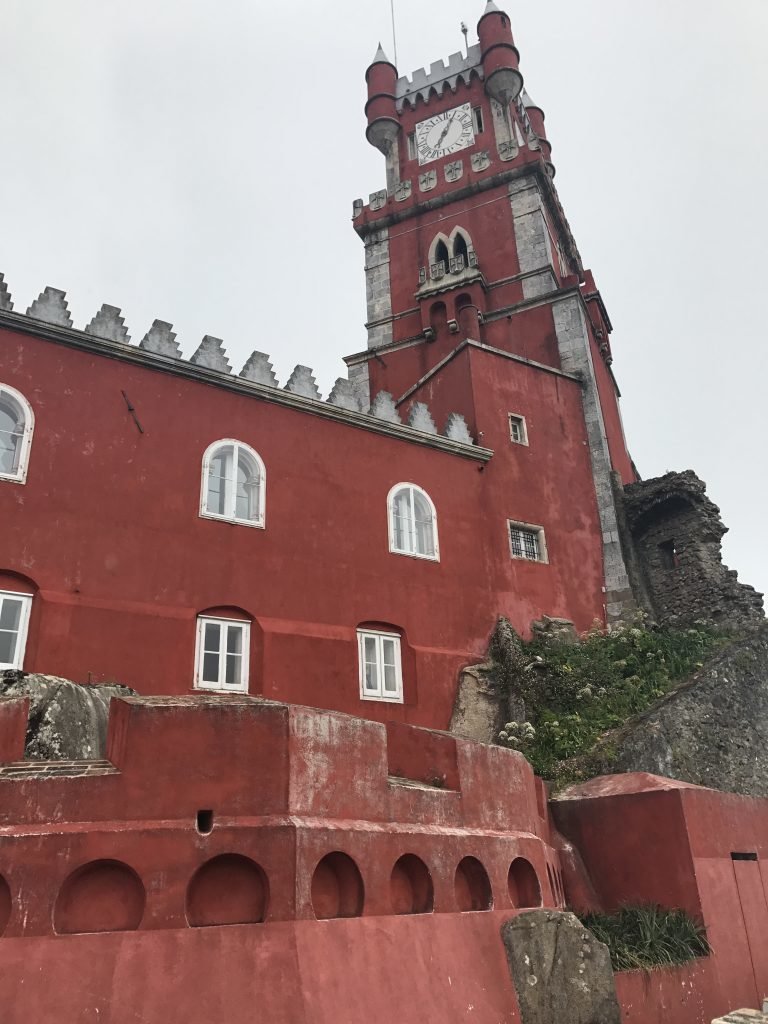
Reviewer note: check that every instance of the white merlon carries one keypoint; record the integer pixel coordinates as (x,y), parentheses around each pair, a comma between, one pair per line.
(51,307)
(456,429)
(210,354)
(5,295)
(420,418)
(109,324)
(259,369)
(343,395)
(422,81)
(302,382)
(384,408)
(161,340)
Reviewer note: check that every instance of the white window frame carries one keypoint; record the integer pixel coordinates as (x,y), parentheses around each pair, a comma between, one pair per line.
(20,475)
(259,523)
(515,417)
(543,559)
(379,637)
(226,624)
(21,634)
(391,522)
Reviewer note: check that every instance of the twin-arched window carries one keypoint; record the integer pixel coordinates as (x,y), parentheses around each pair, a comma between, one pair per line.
(16,425)
(234,483)
(412,522)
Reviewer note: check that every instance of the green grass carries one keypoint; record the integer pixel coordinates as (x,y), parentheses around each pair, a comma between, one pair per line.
(574,694)
(643,937)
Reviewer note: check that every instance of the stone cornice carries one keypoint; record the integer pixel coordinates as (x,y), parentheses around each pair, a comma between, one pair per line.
(203,375)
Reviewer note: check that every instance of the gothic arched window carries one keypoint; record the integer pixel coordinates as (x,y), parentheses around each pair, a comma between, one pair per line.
(16,425)
(233,484)
(460,248)
(441,253)
(412,522)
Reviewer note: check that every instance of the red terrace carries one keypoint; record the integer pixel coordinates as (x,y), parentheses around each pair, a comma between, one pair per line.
(261,565)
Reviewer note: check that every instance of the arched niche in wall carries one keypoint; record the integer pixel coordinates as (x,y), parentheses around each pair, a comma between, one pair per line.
(337,887)
(410,886)
(229,889)
(524,886)
(471,886)
(438,317)
(6,904)
(103,896)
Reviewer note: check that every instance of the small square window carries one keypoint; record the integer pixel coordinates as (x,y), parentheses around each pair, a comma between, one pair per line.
(381,673)
(222,655)
(518,432)
(527,542)
(477,120)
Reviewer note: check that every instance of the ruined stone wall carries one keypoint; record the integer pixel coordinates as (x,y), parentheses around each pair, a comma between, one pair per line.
(673,534)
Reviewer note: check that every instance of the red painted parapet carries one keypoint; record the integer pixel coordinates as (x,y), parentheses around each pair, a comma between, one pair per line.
(222,810)
(14,713)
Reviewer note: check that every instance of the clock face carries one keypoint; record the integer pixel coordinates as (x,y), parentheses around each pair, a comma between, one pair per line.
(444,134)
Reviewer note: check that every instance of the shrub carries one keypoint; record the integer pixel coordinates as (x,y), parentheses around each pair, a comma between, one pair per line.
(642,937)
(574,694)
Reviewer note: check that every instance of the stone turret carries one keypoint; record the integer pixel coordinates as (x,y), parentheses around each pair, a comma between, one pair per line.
(381,108)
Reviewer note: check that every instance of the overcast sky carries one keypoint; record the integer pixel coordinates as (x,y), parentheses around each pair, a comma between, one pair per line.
(197,162)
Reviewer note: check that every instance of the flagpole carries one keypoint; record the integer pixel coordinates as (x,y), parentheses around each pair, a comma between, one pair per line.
(394,32)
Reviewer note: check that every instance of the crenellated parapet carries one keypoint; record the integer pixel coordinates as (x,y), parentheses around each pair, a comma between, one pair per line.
(108,328)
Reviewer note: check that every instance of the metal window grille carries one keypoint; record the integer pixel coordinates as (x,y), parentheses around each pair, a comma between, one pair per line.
(525,544)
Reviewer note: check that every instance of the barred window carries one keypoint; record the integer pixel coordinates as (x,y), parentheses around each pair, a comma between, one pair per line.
(527,542)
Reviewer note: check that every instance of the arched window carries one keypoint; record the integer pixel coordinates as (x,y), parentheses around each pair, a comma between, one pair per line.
(441,253)
(412,522)
(16,426)
(234,483)
(460,248)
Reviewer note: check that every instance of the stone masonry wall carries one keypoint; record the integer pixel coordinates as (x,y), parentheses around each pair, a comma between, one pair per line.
(676,533)
(377,288)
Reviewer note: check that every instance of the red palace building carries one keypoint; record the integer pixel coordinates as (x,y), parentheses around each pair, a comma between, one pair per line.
(176,527)
(212,539)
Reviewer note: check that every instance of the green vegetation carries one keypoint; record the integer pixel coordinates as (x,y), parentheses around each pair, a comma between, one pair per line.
(574,693)
(639,938)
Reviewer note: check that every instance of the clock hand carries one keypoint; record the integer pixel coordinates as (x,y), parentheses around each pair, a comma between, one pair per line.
(445,132)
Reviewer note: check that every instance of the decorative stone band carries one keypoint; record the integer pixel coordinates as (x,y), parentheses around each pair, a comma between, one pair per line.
(49,317)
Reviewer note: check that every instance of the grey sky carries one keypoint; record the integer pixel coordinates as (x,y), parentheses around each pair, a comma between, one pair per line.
(197,163)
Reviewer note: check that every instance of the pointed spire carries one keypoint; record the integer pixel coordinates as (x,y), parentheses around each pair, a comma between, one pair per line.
(381,57)
(491,8)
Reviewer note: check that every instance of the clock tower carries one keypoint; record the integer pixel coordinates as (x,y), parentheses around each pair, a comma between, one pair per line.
(478,302)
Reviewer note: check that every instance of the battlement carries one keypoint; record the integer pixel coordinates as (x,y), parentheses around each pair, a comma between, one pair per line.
(49,316)
(216,810)
(420,84)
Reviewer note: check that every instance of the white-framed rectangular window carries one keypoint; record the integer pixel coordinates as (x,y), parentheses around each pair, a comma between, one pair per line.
(477,120)
(527,541)
(381,671)
(221,657)
(518,431)
(14,620)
